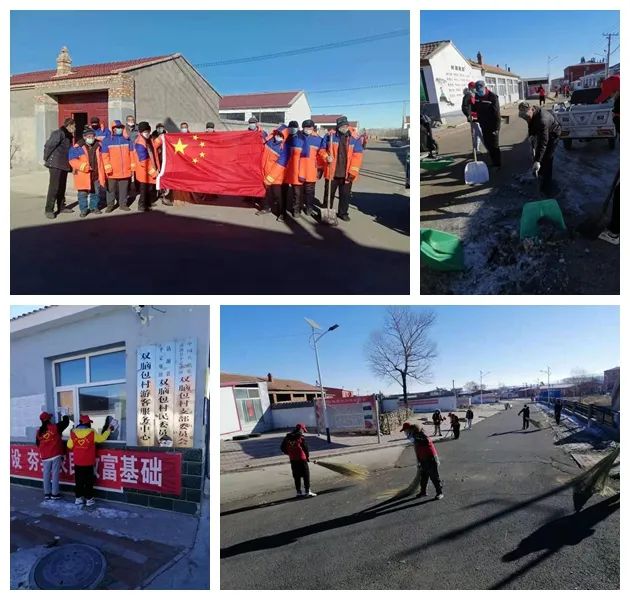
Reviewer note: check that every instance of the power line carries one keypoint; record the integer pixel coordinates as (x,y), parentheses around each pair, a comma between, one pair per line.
(358,104)
(307,50)
(364,87)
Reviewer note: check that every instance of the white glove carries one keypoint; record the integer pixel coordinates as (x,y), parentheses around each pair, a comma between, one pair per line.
(437,461)
(329,159)
(536,168)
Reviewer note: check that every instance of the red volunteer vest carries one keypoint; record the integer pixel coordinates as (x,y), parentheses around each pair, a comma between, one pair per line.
(84,449)
(50,443)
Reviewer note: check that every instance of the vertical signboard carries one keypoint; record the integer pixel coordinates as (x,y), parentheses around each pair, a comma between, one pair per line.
(165,378)
(145,385)
(185,374)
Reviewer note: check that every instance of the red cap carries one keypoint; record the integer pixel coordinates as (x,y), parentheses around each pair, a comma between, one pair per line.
(471,84)
(85,419)
(301,427)
(45,416)
(406,426)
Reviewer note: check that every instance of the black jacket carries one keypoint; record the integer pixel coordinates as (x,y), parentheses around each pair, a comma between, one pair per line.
(543,128)
(56,149)
(488,112)
(469,414)
(525,411)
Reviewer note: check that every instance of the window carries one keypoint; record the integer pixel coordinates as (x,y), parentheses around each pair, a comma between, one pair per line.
(234,116)
(270,117)
(248,404)
(93,384)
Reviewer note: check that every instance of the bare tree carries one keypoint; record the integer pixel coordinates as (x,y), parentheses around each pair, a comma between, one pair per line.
(402,349)
(471,387)
(578,378)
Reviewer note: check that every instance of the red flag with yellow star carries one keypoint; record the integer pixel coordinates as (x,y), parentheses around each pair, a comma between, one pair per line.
(227,163)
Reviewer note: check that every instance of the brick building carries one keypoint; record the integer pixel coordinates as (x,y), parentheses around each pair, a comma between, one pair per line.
(574,72)
(165,89)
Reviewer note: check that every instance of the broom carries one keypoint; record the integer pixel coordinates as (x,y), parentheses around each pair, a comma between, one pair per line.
(593,481)
(347,470)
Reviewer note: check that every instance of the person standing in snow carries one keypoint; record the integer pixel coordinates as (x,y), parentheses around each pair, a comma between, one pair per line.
(295,447)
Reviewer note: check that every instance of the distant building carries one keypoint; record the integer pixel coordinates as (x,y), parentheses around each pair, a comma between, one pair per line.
(445,73)
(611,378)
(327,122)
(268,107)
(574,72)
(593,80)
(41,100)
(338,393)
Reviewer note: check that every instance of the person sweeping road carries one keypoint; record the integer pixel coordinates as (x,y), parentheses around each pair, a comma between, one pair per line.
(428,460)
(295,447)
(525,412)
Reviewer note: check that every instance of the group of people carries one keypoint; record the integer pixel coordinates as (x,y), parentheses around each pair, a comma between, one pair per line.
(454,421)
(82,443)
(116,164)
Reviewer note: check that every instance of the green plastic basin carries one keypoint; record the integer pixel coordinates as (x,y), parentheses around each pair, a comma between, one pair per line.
(441,251)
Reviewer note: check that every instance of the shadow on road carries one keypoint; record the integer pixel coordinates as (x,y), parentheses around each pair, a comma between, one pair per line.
(389,210)
(584,437)
(570,530)
(159,252)
(520,431)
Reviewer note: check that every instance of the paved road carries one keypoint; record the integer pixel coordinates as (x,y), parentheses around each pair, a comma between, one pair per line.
(506,522)
(486,218)
(220,248)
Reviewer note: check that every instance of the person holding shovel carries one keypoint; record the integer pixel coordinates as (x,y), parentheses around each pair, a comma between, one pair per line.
(489,119)
(544,132)
(82,442)
(51,451)
(294,446)
(428,460)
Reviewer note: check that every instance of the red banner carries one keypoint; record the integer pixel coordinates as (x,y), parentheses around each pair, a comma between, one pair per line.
(115,469)
(227,163)
(351,400)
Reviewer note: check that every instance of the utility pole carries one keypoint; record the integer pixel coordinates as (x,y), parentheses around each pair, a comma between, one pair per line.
(548,371)
(609,36)
(402,128)
(550,59)
(481,376)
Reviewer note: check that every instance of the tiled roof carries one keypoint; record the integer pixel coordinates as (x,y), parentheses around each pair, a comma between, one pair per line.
(430,48)
(264,100)
(492,69)
(276,385)
(81,72)
(30,312)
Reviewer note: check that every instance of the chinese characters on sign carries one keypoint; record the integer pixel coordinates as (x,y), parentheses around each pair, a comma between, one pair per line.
(115,469)
(186,361)
(166,393)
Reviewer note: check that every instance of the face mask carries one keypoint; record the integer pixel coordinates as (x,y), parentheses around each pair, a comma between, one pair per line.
(89,140)
(146,135)
(293,130)
(343,130)
(209,130)
(480,91)
(184,129)
(279,138)
(252,126)
(160,129)
(308,132)
(118,130)
(95,126)
(131,123)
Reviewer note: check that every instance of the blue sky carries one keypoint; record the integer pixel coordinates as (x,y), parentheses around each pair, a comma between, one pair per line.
(524,39)
(513,343)
(16,311)
(210,36)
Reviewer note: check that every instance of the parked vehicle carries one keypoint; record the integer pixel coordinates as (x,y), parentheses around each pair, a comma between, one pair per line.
(581,119)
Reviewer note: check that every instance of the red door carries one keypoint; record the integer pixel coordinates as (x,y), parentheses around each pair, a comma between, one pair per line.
(92,104)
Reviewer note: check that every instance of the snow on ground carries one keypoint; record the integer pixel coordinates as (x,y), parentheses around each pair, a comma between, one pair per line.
(69,509)
(22,562)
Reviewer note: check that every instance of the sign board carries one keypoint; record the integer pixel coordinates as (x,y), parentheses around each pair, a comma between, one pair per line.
(25,411)
(115,470)
(166,383)
(356,413)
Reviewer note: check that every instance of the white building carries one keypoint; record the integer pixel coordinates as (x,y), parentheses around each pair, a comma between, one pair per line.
(269,107)
(328,122)
(445,73)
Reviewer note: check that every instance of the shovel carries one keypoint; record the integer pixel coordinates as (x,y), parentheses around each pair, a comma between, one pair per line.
(476,172)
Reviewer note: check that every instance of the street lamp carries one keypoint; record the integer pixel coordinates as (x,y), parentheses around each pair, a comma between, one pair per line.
(481,376)
(550,59)
(314,338)
(548,371)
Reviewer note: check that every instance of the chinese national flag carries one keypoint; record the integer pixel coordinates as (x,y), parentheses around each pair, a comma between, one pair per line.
(227,163)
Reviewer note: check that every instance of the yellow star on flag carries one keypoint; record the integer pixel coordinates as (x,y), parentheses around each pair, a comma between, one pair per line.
(195,137)
(195,160)
(179,147)
(202,144)
(202,154)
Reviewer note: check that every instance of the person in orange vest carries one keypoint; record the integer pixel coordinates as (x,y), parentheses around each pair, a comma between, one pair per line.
(311,167)
(343,154)
(51,451)
(119,163)
(87,167)
(82,442)
(147,167)
(275,160)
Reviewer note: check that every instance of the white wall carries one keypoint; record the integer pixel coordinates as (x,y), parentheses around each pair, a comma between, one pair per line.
(284,418)
(300,111)
(422,405)
(229,420)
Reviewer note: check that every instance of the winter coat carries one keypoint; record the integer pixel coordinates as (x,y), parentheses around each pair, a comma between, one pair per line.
(148,160)
(82,442)
(488,111)
(424,448)
(543,128)
(56,150)
(340,145)
(85,170)
(294,445)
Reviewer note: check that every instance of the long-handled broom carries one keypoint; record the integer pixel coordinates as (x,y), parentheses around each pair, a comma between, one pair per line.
(347,470)
(593,481)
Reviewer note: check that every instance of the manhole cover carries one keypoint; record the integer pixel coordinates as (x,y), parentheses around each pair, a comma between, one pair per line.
(70,567)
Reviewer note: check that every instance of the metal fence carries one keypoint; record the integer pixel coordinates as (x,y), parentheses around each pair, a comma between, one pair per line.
(592,412)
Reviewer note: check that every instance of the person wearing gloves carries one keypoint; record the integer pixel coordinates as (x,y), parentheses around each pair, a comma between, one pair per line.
(147,166)
(428,460)
(51,451)
(82,442)
(544,132)
(119,162)
(89,175)
(294,446)
(489,119)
